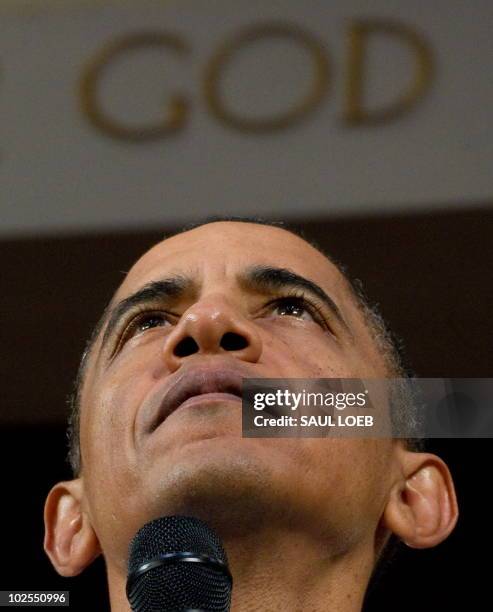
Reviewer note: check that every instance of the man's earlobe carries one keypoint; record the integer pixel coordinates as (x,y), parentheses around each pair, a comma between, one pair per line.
(422,508)
(70,541)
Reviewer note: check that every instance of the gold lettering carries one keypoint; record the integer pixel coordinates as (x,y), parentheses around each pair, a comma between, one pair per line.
(93,73)
(215,66)
(359,33)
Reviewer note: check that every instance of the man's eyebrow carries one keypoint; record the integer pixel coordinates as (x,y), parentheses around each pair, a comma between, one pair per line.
(165,289)
(267,278)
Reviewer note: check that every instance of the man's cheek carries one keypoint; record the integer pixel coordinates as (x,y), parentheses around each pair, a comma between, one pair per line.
(110,424)
(316,358)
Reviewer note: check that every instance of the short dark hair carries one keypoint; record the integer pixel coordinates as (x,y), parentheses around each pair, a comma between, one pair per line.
(390,346)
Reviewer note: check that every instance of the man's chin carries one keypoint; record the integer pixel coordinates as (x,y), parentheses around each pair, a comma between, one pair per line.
(225,481)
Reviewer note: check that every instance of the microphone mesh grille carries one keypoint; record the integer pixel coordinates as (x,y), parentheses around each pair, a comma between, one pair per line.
(178,586)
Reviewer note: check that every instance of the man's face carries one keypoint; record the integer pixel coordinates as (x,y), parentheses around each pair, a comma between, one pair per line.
(222,307)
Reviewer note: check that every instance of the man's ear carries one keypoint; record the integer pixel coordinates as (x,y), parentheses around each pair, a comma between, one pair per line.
(70,541)
(422,508)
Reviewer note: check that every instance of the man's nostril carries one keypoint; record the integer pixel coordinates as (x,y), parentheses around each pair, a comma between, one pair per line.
(233,342)
(186,347)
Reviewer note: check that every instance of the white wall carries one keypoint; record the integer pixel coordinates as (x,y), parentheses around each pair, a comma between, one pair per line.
(61,173)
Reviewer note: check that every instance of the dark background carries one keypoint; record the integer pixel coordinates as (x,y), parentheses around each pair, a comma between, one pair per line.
(431,275)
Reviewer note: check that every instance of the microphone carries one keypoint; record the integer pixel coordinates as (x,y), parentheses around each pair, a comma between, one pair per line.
(177,563)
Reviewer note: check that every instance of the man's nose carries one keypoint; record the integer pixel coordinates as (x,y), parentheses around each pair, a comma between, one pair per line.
(212,326)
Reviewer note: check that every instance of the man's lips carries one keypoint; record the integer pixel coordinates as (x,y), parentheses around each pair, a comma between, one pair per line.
(208,397)
(198,385)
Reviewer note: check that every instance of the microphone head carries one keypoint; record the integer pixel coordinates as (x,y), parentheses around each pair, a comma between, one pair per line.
(178,563)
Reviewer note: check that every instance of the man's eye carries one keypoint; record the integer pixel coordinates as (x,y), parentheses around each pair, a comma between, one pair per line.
(143,322)
(294,307)
(149,321)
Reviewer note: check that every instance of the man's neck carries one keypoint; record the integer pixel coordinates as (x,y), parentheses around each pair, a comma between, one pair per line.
(276,570)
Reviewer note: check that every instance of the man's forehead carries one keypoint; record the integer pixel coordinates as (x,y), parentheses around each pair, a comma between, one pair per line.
(229,247)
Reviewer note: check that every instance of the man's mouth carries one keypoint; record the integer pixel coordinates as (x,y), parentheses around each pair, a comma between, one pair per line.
(202,398)
(197,386)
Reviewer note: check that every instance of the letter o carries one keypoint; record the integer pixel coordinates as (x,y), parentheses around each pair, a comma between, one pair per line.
(224,54)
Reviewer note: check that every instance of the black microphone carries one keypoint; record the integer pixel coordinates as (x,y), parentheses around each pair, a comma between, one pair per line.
(177,563)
